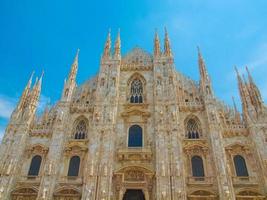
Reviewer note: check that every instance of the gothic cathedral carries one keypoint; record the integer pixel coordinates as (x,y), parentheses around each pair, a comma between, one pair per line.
(138,130)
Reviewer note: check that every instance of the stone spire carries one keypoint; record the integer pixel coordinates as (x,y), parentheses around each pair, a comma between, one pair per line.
(205,82)
(242,93)
(117,52)
(74,68)
(25,94)
(237,114)
(254,92)
(70,83)
(167,46)
(107,48)
(202,66)
(36,91)
(157,51)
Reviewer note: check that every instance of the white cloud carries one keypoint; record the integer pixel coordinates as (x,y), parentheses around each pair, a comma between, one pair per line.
(43,102)
(259,58)
(7,105)
(2,132)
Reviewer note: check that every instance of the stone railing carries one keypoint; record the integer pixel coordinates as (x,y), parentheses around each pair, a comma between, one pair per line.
(235,130)
(81,107)
(132,67)
(134,154)
(245,180)
(77,180)
(29,179)
(192,180)
(191,106)
(41,132)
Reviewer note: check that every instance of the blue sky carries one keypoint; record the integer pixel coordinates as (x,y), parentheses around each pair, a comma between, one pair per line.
(44,35)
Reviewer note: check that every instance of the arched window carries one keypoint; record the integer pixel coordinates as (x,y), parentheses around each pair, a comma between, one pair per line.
(136,91)
(35,166)
(80,130)
(240,166)
(135,137)
(74,166)
(197,166)
(192,129)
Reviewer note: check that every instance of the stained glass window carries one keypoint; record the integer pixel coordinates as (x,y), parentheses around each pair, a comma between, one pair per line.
(193,130)
(80,131)
(136,91)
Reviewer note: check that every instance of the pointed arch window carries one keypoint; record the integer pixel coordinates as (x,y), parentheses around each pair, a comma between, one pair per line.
(35,166)
(192,129)
(80,130)
(197,166)
(74,166)
(136,91)
(135,137)
(240,166)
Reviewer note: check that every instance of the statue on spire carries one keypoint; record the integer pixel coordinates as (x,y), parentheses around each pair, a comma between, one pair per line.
(74,67)
(36,91)
(157,51)
(167,46)
(254,92)
(205,82)
(237,114)
(202,66)
(70,83)
(107,47)
(25,95)
(117,52)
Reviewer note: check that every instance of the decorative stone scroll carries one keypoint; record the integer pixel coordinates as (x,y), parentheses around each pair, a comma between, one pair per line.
(24,193)
(134,175)
(36,149)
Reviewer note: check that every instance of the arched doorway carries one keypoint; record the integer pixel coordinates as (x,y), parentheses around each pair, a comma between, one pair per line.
(132,194)
(133,183)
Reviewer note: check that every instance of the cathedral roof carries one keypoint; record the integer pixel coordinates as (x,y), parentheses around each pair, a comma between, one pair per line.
(137,56)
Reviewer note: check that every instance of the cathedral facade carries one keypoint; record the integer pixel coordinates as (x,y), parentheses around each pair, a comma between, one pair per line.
(138,130)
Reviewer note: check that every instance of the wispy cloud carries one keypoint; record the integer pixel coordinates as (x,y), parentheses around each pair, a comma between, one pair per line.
(7,105)
(2,131)
(43,102)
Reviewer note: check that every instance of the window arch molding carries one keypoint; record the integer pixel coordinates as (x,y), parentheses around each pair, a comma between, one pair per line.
(80,128)
(136,87)
(241,150)
(192,127)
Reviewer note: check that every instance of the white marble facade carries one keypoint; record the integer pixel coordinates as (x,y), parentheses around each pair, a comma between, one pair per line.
(137,130)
